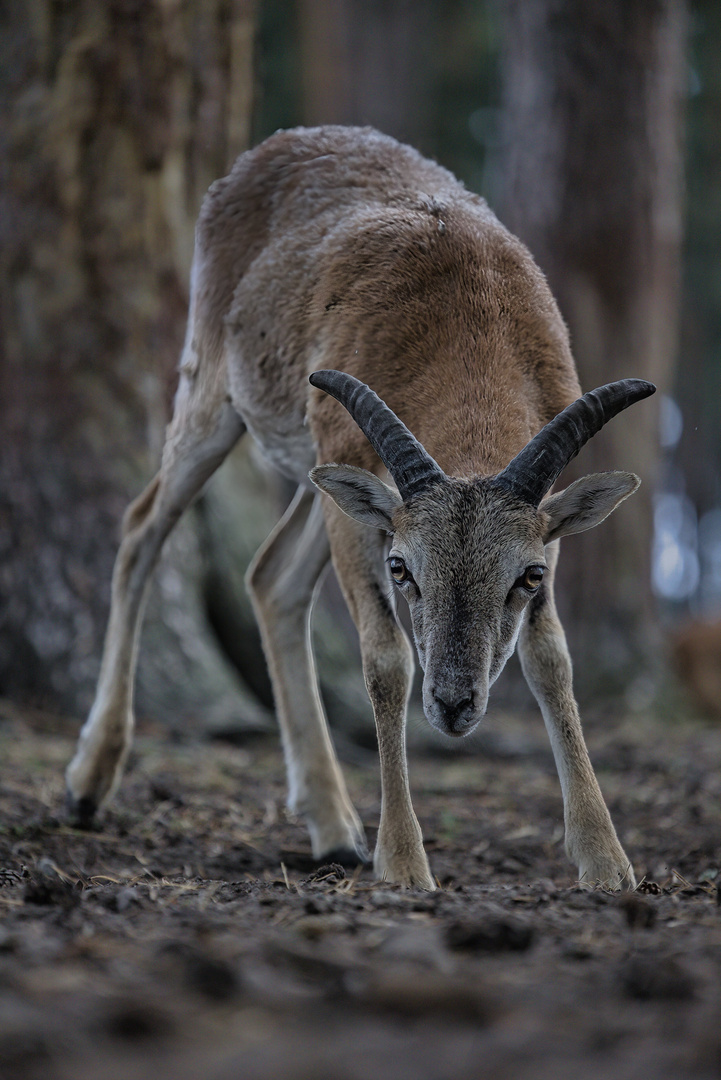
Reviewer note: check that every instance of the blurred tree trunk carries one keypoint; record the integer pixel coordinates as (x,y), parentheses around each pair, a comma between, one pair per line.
(698,391)
(369,62)
(592,182)
(116,117)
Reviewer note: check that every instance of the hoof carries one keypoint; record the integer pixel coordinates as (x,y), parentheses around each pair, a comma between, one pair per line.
(81,811)
(347,856)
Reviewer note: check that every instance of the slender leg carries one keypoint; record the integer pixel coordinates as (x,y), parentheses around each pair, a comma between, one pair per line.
(193,451)
(358,557)
(591,840)
(282,580)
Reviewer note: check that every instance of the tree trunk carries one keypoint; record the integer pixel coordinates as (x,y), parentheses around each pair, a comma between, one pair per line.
(592,176)
(369,62)
(116,118)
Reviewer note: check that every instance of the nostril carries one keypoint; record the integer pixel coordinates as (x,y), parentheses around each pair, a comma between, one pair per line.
(454,708)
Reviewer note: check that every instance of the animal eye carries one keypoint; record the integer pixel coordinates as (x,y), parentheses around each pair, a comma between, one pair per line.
(399,570)
(532,578)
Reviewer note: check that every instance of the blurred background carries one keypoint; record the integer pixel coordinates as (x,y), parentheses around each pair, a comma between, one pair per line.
(593,129)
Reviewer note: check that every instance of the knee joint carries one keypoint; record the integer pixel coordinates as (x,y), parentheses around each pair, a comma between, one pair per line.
(275,592)
(139,510)
(389,670)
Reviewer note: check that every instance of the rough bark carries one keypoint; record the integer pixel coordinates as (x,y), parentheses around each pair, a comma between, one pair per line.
(116,117)
(591,178)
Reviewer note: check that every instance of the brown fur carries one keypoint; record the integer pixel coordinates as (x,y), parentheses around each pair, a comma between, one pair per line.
(347,250)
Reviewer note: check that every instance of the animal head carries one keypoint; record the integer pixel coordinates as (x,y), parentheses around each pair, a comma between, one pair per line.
(469,555)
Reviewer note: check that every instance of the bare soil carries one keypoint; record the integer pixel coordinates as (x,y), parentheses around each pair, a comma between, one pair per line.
(191,935)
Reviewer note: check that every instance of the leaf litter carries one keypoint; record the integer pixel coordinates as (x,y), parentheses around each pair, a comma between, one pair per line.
(192,934)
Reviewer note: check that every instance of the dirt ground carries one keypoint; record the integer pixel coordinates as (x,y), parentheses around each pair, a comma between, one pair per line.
(191,935)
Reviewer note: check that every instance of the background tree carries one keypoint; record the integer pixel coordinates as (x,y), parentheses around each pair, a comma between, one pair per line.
(116,118)
(369,63)
(591,177)
(698,386)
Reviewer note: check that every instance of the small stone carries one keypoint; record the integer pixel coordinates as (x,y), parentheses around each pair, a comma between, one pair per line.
(650,978)
(314,927)
(640,915)
(135,1021)
(403,993)
(490,935)
(417,945)
(8,941)
(381,898)
(199,970)
(125,898)
(578,950)
(46,887)
(211,976)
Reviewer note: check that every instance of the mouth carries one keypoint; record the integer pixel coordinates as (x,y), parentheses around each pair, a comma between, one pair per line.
(453,734)
(456,727)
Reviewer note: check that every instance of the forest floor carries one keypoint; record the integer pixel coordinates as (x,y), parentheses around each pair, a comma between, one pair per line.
(192,936)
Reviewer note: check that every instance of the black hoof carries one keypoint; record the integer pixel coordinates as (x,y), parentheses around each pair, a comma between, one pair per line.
(347,856)
(81,811)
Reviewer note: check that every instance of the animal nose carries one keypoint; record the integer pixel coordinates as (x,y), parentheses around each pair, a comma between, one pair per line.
(456,712)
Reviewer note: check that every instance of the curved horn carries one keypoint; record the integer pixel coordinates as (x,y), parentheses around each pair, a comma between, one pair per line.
(408,463)
(535,469)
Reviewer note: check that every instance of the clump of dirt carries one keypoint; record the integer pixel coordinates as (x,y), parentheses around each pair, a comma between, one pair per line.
(191,933)
(489,935)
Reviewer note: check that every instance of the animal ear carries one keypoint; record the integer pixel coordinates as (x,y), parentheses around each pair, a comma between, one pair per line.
(359,494)
(586,502)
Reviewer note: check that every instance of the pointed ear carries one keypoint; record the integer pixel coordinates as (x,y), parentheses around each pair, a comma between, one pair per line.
(359,494)
(586,502)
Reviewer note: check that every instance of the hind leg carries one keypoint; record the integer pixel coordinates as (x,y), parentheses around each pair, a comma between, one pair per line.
(200,436)
(282,580)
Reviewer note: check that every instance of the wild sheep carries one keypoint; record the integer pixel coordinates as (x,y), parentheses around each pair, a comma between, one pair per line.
(340,248)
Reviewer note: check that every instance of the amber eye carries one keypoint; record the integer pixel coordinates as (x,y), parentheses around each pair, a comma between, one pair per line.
(532,578)
(399,570)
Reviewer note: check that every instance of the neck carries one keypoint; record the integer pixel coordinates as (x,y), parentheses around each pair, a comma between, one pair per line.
(478,432)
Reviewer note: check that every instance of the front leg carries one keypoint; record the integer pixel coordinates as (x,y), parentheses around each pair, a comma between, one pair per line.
(591,840)
(358,557)
(399,855)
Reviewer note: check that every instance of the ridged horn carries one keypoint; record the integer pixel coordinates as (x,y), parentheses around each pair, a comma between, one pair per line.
(535,469)
(411,467)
